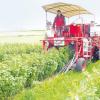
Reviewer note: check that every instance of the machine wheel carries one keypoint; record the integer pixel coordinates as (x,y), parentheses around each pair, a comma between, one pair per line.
(80,64)
(98,55)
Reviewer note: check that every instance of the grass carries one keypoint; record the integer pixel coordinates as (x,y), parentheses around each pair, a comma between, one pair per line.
(22,65)
(70,86)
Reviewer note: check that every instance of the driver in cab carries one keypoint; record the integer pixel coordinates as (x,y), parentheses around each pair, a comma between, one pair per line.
(59,23)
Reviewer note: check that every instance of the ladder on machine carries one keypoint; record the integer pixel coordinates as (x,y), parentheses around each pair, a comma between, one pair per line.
(87,53)
(71,64)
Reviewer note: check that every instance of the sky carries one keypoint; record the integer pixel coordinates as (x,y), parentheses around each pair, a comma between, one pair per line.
(29,14)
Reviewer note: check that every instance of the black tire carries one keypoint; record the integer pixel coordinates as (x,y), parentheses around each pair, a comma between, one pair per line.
(98,55)
(80,64)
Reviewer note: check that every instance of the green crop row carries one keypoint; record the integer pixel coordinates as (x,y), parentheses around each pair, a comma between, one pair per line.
(70,86)
(22,65)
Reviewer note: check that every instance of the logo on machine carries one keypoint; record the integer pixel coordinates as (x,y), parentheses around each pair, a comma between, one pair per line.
(59,41)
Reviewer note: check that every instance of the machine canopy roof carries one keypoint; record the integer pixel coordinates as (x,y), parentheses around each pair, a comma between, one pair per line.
(68,10)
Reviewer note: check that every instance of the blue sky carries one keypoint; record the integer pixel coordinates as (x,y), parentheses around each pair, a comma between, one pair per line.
(29,15)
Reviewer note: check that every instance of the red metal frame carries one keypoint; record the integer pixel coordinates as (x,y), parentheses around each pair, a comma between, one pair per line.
(76,35)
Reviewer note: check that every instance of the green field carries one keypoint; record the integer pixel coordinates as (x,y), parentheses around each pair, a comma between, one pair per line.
(22,65)
(31,37)
(69,86)
(27,72)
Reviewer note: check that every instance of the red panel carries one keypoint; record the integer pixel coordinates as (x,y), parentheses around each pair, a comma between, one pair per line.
(76,30)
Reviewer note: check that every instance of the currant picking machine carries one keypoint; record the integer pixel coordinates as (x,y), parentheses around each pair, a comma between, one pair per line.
(86,42)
